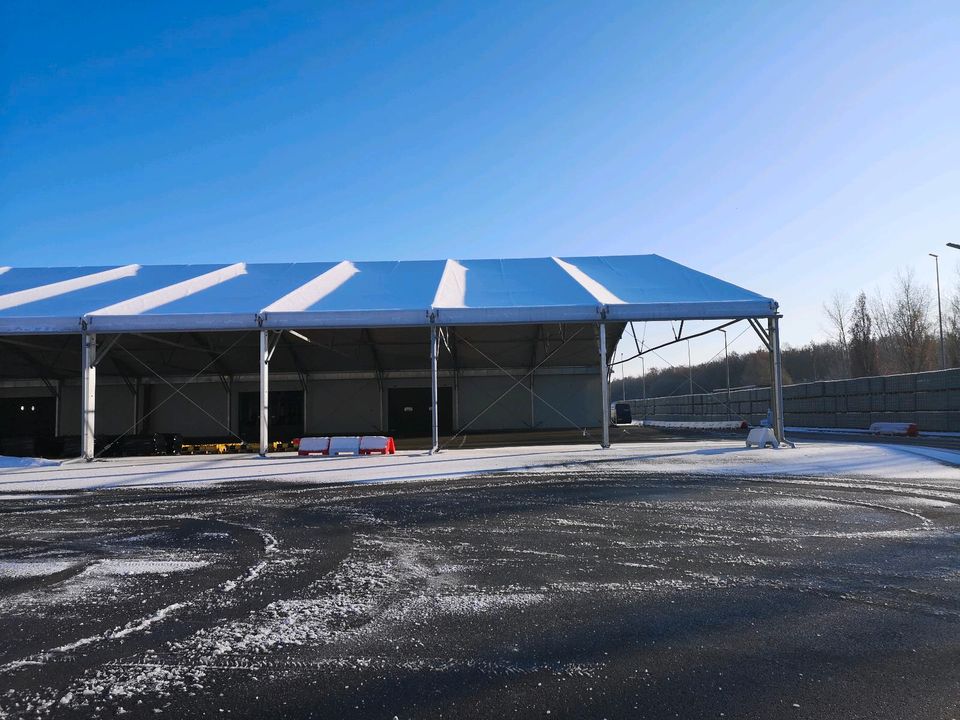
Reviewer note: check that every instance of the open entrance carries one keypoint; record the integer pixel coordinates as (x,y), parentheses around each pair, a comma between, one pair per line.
(27,425)
(28,417)
(286,414)
(408,411)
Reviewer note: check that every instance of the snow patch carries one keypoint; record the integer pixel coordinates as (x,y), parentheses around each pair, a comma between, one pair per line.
(26,462)
(113,567)
(33,568)
(703,457)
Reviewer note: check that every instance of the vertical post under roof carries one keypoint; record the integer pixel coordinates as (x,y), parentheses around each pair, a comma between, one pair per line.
(604,388)
(56,410)
(264,392)
(89,398)
(434,410)
(776,377)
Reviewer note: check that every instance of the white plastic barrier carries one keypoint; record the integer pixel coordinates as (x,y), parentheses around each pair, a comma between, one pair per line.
(313,446)
(377,444)
(761,437)
(894,428)
(345,445)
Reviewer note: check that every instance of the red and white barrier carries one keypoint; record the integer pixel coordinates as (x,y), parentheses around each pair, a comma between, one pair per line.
(347,445)
(894,428)
(377,444)
(313,446)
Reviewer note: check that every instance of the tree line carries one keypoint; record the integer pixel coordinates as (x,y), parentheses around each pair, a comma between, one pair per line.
(883,333)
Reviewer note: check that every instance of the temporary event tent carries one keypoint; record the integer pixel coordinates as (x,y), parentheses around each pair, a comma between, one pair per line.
(520,316)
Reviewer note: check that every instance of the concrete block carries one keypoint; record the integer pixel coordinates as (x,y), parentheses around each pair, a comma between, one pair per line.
(859,386)
(937,380)
(933,421)
(854,420)
(936,400)
(814,389)
(858,403)
(762,437)
(900,383)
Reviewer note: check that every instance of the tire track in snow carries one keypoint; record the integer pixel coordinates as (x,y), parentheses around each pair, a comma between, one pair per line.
(270,546)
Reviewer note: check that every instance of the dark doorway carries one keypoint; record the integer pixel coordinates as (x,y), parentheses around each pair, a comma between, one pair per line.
(28,426)
(28,417)
(286,415)
(408,411)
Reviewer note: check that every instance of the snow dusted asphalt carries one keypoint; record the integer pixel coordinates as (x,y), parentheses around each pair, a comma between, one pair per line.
(724,457)
(655,580)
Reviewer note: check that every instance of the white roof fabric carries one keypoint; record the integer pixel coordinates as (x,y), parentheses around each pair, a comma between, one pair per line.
(238,296)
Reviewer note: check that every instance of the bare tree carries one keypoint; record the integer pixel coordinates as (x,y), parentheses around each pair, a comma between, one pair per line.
(837,311)
(863,350)
(952,321)
(904,323)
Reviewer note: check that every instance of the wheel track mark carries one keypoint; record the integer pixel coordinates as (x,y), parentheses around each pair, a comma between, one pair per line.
(270,546)
(844,501)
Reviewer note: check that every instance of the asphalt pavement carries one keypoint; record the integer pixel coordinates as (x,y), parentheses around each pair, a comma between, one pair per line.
(599,594)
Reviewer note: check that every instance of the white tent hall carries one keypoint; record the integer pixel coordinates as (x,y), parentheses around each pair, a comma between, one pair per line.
(444,346)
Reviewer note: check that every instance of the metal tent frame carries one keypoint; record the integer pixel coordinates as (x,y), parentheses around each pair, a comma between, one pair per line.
(442,295)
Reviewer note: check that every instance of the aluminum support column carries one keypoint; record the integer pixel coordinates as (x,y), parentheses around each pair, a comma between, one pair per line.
(604,388)
(137,391)
(264,392)
(89,396)
(434,410)
(776,377)
(56,412)
(456,400)
(230,406)
(533,410)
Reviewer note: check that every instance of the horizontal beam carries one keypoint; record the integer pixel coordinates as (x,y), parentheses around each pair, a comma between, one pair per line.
(674,342)
(318,376)
(383,319)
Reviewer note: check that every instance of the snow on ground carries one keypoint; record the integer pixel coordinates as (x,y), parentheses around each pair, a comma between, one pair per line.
(33,568)
(709,457)
(22,462)
(115,567)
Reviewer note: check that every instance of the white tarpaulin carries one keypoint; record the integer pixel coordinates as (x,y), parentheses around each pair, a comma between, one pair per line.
(134,298)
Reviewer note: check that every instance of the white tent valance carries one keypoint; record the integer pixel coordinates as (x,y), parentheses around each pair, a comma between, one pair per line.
(170,298)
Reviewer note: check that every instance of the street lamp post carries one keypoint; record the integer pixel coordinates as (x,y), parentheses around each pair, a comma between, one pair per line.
(643,381)
(943,357)
(623,377)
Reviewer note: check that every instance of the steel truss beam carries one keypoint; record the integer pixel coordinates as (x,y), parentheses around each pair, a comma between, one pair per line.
(673,342)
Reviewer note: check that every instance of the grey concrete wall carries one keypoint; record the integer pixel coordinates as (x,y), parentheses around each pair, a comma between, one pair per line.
(343,406)
(566,398)
(930,399)
(346,405)
(512,412)
(170,411)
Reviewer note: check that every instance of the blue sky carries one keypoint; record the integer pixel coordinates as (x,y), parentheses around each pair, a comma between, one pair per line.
(792,148)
